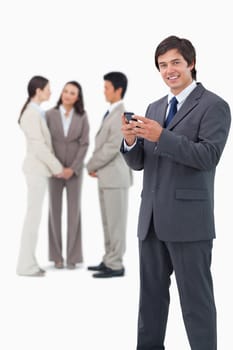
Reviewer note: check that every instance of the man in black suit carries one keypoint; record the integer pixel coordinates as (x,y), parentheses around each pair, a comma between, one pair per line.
(178,145)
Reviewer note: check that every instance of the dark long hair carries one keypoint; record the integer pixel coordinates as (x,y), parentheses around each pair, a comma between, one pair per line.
(36,82)
(183,46)
(79,104)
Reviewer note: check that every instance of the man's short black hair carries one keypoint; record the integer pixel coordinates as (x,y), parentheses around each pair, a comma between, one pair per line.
(118,80)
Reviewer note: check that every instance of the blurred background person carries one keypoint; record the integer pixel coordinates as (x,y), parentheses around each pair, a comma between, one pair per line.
(114,178)
(39,164)
(69,128)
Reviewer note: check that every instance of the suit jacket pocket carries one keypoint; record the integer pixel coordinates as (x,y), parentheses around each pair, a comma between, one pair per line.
(192,194)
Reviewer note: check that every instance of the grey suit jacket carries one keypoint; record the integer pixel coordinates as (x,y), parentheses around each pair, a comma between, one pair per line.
(107,160)
(72,149)
(179,170)
(40,158)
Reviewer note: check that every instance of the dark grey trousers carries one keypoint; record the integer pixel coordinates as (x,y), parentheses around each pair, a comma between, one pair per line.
(73,188)
(191,263)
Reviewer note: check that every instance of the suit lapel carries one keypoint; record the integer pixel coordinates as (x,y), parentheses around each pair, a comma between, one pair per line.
(116,110)
(181,114)
(190,103)
(73,125)
(161,112)
(58,122)
(105,121)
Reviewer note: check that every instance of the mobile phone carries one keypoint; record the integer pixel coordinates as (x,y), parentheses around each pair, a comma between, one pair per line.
(129,116)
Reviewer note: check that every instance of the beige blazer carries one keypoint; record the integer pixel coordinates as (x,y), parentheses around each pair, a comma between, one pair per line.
(106,160)
(40,158)
(70,149)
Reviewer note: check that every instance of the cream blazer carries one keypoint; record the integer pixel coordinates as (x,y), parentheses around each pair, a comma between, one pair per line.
(107,160)
(40,158)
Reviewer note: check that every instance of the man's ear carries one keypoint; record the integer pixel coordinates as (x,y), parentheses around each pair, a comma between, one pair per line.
(191,66)
(120,91)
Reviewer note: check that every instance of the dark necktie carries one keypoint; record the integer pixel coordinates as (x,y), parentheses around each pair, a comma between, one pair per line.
(172,111)
(106,114)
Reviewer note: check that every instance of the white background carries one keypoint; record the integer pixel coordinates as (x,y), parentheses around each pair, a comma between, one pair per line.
(83,40)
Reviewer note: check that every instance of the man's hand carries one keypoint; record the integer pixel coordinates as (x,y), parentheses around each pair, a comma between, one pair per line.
(93,174)
(128,132)
(146,128)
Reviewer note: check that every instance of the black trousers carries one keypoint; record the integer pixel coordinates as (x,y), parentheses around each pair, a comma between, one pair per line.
(191,263)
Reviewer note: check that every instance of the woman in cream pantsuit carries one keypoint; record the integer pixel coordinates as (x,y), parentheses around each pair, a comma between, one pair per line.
(39,164)
(69,128)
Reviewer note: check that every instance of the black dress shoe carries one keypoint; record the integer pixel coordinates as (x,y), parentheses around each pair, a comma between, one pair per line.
(100,267)
(109,273)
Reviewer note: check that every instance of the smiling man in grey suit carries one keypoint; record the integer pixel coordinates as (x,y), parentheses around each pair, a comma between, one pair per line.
(179,145)
(114,178)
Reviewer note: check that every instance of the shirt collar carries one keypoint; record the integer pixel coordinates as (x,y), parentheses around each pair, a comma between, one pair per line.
(37,107)
(114,105)
(184,93)
(63,111)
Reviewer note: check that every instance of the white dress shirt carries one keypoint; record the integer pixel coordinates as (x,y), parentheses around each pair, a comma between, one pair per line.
(66,119)
(181,97)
